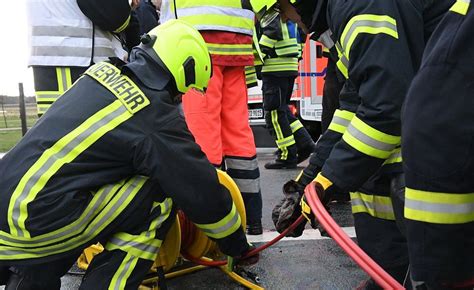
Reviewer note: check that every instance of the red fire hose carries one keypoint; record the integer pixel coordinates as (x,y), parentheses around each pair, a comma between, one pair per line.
(249,254)
(382,278)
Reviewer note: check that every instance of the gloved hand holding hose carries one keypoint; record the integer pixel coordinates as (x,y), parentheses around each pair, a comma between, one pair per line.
(293,204)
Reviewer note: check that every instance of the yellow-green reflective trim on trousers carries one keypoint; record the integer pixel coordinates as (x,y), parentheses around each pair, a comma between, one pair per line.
(99,201)
(439,207)
(369,140)
(62,152)
(283,145)
(374,205)
(165,209)
(223,228)
(296,125)
(143,245)
(341,120)
(278,133)
(461,7)
(137,245)
(276,126)
(113,209)
(119,280)
(285,142)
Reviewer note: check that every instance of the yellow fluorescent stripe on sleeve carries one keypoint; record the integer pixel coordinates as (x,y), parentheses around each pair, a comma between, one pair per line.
(299,176)
(367,23)
(337,128)
(364,148)
(326,183)
(343,69)
(344,114)
(395,157)
(374,133)
(461,7)
(369,140)
(223,228)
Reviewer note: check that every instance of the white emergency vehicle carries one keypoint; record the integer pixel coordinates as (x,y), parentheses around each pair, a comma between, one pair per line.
(306,101)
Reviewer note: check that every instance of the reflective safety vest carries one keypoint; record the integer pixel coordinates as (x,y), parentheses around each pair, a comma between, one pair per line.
(222,15)
(61,35)
(283,48)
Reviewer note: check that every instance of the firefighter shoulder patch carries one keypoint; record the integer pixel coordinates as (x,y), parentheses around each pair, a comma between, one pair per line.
(120,85)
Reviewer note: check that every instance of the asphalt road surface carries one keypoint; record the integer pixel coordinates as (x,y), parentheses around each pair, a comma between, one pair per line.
(307,262)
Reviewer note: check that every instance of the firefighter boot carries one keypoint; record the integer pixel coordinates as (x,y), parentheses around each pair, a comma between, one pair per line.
(255,228)
(281,164)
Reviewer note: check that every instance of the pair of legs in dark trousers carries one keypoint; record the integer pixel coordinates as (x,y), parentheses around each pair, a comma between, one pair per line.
(131,245)
(438,157)
(290,135)
(379,224)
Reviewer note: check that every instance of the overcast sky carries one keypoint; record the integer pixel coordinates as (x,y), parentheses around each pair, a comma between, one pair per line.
(14,50)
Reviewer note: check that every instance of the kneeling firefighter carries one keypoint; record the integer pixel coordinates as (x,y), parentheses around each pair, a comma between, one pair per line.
(109,162)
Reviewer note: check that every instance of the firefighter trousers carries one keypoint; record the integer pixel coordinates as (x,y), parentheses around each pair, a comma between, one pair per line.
(276,92)
(219,122)
(332,88)
(51,82)
(378,219)
(438,155)
(131,243)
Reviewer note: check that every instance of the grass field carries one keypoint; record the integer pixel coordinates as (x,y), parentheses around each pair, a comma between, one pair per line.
(10,125)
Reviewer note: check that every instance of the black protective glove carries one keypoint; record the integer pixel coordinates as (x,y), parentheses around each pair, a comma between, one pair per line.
(287,211)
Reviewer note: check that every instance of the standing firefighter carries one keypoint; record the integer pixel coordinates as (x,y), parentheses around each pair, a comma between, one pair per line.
(438,154)
(281,43)
(379,45)
(219,118)
(109,162)
(69,36)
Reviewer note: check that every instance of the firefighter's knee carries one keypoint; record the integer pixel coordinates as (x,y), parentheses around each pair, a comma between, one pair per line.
(272,99)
